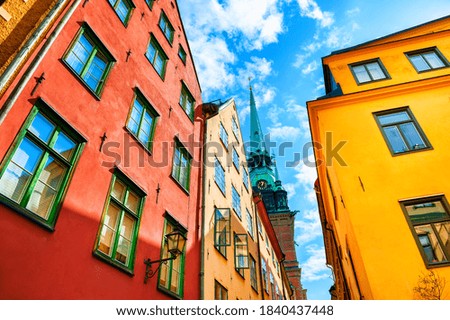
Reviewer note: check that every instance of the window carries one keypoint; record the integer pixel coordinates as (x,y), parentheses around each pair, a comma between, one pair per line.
(123,9)
(166,27)
(428,59)
(150,3)
(142,120)
(264,274)
(157,57)
(222,227)
(260,227)
(223,135)
(401,131)
(219,176)
(171,274)
(182,54)
(253,277)
(35,174)
(234,127)
(187,101)
(272,286)
(235,159)
(181,168)
(89,59)
(429,219)
(118,232)
(245,178)
(249,223)
(369,71)
(241,251)
(220,293)
(236,201)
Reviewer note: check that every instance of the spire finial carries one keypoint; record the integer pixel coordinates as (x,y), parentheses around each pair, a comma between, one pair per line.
(250,82)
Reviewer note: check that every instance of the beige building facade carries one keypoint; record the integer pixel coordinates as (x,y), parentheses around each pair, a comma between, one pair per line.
(241,256)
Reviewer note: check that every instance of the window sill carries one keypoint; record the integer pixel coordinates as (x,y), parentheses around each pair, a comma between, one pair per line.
(169,293)
(223,255)
(116,265)
(95,94)
(153,67)
(428,148)
(179,185)
(27,213)
(146,149)
(437,264)
(184,111)
(237,270)
(223,192)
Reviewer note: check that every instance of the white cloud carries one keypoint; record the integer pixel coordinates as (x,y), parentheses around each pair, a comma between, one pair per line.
(308,227)
(311,67)
(290,189)
(352,12)
(256,68)
(284,132)
(310,9)
(314,268)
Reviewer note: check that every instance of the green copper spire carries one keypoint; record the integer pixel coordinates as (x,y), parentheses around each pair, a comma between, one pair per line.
(256,134)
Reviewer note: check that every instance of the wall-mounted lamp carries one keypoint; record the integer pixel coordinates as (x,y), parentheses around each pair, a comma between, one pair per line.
(175,245)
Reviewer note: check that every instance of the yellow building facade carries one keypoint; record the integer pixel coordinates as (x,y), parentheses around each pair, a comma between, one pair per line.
(241,255)
(381,147)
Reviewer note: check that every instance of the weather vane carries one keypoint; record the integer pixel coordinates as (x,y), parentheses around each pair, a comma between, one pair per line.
(250,82)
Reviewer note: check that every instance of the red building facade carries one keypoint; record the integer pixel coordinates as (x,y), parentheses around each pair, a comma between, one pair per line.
(99,160)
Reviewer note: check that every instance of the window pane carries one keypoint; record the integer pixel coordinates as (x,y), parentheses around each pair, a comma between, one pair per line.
(42,128)
(375,71)
(95,72)
(427,211)
(394,118)
(433,59)
(133,202)
(175,279)
(123,250)
(46,188)
(412,136)
(361,74)
(443,231)
(109,228)
(419,62)
(395,139)
(64,146)
(431,246)
(146,128)
(122,10)
(118,191)
(79,54)
(19,171)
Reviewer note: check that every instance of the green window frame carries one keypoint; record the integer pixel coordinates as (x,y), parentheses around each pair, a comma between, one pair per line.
(369,71)
(428,59)
(171,273)
(220,292)
(219,176)
(253,274)
(222,230)
(142,120)
(223,135)
(166,27)
(123,9)
(150,3)
(155,54)
(187,101)
(89,59)
(119,227)
(429,220)
(249,223)
(182,54)
(241,251)
(236,202)
(181,165)
(36,171)
(401,131)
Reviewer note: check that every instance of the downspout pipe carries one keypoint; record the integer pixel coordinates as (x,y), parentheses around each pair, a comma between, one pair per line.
(202,248)
(258,244)
(21,56)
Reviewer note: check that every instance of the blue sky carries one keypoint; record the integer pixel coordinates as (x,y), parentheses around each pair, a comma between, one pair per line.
(280,43)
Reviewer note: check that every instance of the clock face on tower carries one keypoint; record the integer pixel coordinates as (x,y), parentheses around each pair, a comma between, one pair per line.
(262,184)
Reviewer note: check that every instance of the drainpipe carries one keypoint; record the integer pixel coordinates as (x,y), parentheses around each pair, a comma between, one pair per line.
(21,56)
(202,249)
(261,282)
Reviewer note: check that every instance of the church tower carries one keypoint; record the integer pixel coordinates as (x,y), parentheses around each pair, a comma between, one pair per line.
(266,181)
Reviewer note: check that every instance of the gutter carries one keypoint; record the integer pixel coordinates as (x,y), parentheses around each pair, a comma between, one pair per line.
(27,48)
